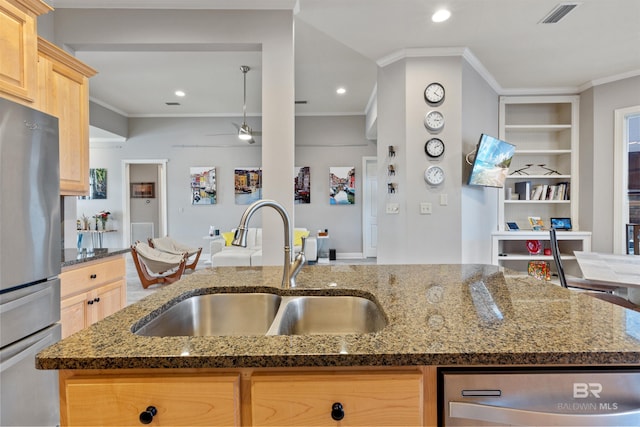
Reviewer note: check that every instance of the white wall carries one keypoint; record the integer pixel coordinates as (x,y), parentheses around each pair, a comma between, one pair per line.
(597,106)
(323,142)
(479,204)
(409,237)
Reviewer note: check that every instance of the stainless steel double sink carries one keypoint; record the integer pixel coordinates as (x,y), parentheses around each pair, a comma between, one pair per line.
(266,314)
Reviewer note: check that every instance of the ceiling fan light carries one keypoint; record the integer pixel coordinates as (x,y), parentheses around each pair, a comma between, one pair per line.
(244,133)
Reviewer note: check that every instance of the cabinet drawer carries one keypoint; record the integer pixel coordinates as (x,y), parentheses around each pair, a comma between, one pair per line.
(88,276)
(179,400)
(367,399)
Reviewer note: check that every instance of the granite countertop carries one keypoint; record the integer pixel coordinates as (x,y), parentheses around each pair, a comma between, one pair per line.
(74,256)
(438,315)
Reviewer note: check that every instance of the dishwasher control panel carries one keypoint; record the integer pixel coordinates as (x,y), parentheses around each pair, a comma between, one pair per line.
(567,397)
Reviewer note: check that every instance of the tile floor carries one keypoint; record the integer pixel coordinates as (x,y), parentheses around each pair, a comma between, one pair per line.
(136,292)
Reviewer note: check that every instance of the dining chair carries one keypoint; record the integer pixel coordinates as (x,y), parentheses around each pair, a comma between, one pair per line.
(601,291)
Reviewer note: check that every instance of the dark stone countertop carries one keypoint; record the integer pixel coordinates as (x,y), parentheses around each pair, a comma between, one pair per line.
(438,315)
(73,256)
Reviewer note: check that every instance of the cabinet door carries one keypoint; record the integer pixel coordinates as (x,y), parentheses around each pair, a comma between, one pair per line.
(308,399)
(18,50)
(65,85)
(179,400)
(107,300)
(73,314)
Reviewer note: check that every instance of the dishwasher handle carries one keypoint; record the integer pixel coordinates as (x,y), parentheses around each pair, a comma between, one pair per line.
(512,416)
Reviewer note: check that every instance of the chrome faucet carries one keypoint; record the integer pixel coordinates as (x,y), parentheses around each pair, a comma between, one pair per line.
(291,268)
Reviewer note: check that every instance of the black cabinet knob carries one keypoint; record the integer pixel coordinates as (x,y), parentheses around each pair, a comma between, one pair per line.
(93,276)
(337,411)
(96,299)
(147,416)
(90,302)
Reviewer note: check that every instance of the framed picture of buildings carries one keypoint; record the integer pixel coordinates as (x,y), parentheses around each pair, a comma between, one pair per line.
(248,185)
(342,185)
(302,185)
(203,185)
(143,190)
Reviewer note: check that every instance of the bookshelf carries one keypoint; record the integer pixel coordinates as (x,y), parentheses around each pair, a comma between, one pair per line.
(544,130)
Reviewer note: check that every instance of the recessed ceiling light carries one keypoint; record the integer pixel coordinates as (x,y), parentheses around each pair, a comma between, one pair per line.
(441,15)
(180,93)
(341,91)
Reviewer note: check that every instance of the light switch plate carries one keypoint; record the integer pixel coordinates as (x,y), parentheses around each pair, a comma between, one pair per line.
(444,200)
(425,208)
(393,208)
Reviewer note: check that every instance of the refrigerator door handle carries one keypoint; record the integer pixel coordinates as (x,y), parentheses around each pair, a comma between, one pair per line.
(17,352)
(512,416)
(12,305)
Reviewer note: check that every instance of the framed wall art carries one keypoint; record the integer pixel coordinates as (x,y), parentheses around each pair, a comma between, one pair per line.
(248,185)
(342,185)
(203,185)
(302,185)
(143,190)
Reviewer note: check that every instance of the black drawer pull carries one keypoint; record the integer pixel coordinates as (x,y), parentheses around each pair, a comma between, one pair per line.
(93,276)
(337,411)
(146,417)
(96,299)
(90,302)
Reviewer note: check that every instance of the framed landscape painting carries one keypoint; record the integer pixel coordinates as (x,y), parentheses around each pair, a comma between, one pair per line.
(342,185)
(248,185)
(203,185)
(302,185)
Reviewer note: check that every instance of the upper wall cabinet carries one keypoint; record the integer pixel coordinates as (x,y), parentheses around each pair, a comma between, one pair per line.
(543,180)
(18,48)
(63,91)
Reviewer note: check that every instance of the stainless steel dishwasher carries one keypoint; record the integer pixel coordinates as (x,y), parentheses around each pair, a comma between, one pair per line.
(567,397)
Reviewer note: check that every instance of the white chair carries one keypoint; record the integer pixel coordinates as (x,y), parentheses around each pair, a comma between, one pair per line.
(154,266)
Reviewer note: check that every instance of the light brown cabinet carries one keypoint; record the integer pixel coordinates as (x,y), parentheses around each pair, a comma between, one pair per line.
(63,92)
(357,399)
(91,292)
(211,400)
(18,48)
(297,396)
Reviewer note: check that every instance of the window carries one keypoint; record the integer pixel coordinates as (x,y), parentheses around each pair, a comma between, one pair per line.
(627,173)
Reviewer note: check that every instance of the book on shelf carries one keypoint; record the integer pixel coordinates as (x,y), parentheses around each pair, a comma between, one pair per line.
(523,188)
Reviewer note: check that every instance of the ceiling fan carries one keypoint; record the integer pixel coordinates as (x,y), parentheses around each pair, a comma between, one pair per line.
(244,131)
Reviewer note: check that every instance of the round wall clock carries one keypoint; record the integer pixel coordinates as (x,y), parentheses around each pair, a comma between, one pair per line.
(434,93)
(434,175)
(434,121)
(434,147)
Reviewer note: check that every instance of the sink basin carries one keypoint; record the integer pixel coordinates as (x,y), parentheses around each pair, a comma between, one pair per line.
(328,315)
(266,314)
(216,314)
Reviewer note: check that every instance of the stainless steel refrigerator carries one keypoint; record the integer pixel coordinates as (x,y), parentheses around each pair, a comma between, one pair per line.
(30,254)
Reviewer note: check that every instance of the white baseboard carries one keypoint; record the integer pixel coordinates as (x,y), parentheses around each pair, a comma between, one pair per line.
(350,255)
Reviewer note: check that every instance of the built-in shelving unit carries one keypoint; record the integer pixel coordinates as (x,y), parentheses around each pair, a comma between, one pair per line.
(509,248)
(544,130)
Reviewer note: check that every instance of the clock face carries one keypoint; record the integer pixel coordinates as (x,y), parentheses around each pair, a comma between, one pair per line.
(434,121)
(434,175)
(434,147)
(434,93)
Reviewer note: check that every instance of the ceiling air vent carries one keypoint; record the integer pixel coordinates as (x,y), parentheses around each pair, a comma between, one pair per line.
(559,12)
(300,102)
(172,103)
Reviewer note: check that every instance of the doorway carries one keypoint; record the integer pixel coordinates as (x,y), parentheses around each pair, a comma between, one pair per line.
(147,204)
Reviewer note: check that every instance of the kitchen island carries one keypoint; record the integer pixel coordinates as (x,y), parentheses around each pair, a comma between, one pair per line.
(438,315)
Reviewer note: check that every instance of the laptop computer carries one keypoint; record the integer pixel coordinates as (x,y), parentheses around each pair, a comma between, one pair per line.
(561,223)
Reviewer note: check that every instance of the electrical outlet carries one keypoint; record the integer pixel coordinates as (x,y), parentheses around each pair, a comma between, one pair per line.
(393,208)
(444,200)
(425,208)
